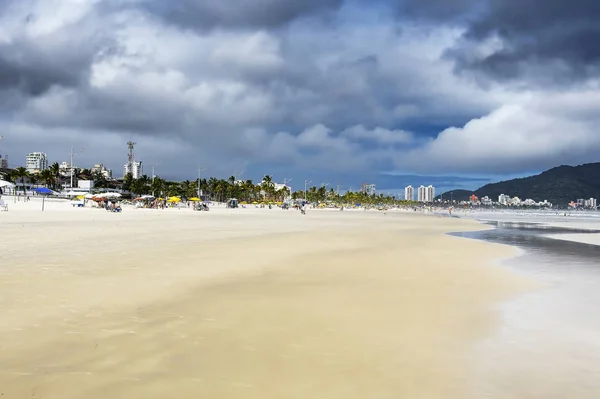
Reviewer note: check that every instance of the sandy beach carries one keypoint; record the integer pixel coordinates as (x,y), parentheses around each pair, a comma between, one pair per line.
(245,303)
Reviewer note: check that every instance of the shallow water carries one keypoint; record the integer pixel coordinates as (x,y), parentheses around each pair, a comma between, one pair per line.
(549,343)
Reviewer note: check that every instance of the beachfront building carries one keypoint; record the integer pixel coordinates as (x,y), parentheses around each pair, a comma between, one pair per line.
(135,168)
(487,201)
(421,194)
(504,199)
(3,162)
(590,203)
(369,189)
(36,162)
(409,193)
(429,193)
(100,168)
(64,169)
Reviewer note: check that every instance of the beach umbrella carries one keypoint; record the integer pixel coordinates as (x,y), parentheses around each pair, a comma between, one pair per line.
(112,195)
(147,196)
(174,199)
(194,199)
(44,191)
(89,196)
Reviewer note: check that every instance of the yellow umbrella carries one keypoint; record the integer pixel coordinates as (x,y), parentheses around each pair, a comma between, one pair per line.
(244,203)
(81,197)
(174,199)
(194,199)
(255,203)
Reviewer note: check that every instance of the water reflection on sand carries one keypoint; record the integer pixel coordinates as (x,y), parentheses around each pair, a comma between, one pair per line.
(548,345)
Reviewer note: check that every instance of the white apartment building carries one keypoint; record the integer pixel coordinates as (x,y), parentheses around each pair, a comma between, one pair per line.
(421,194)
(409,193)
(369,189)
(135,169)
(36,162)
(590,203)
(100,168)
(503,199)
(430,193)
(426,194)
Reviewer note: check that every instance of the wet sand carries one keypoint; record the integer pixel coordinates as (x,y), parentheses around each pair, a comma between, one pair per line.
(249,303)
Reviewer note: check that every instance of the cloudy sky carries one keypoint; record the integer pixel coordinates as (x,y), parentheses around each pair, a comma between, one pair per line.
(337,91)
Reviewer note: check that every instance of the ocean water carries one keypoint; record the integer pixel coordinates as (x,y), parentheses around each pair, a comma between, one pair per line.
(548,345)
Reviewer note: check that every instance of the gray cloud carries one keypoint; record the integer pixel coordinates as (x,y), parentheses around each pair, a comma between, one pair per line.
(207,14)
(549,42)
(38,57)
(447,10)
(350,93)
(553,42)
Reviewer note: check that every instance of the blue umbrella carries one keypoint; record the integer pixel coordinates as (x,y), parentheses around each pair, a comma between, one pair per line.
(42,190)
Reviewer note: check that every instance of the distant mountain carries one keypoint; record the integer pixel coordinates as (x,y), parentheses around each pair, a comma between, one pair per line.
(455,195)
(559,185)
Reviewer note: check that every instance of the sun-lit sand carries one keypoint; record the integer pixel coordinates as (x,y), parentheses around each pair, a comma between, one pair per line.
(245,303)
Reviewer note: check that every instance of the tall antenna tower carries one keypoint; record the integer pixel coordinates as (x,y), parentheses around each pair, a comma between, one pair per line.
(130,156)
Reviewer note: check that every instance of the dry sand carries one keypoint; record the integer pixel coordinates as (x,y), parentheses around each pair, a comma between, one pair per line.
(246,303)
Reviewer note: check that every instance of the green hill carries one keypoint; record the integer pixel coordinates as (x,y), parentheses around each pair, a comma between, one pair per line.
(455,195)
(558,185)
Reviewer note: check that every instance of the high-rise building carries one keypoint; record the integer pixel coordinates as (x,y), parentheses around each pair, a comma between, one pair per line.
(3,162)
(422,194)
(36,162)
(429,193)
(409,193)
(135,168)
(369,189)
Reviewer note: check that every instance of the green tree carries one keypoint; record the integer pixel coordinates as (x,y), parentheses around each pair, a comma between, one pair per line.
(20,173)
(127,182)
(47,177)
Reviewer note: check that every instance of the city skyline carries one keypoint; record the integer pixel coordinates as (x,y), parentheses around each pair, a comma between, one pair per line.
(400,92)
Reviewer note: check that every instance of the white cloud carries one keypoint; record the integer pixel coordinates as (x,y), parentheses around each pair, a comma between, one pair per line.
(341,94)
(378,135)
(533,131)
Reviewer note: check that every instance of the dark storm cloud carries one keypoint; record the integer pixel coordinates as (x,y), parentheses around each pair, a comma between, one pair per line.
(435,9)
(33,65)
(541,41)
(34,71)
(207,14)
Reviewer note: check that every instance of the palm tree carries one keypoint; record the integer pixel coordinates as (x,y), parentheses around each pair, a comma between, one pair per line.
(268,186)
(47,177)
(22,174)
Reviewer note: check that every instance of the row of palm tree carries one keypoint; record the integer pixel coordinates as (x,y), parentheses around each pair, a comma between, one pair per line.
(213,188)
(216,189)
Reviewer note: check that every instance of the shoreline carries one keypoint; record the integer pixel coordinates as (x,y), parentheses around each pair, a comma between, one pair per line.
(331,304)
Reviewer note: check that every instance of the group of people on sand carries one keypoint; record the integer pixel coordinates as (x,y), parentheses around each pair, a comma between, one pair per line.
(111,206)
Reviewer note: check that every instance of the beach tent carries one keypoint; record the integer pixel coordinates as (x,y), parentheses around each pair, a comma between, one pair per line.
(4,183)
